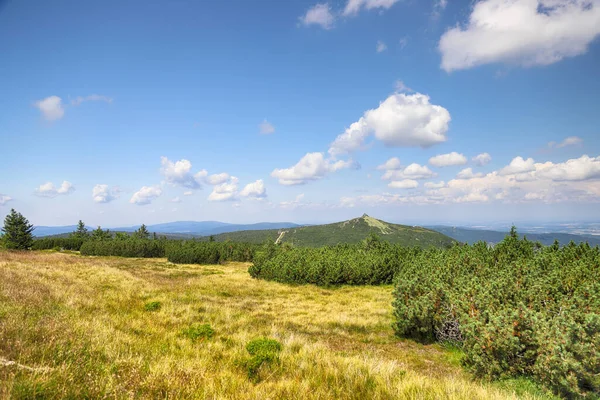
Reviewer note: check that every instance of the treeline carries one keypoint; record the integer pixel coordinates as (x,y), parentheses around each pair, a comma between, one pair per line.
(372,262)
(518,309)
(142,244)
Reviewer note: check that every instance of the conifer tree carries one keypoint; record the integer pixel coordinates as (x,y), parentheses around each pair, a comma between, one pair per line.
(142,232)
(81,232)
(17,231)
(100,234)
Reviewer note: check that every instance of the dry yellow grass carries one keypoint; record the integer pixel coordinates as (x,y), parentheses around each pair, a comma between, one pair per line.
(76,327)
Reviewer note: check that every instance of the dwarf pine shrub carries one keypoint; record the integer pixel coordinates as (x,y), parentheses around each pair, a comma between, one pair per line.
(518,309)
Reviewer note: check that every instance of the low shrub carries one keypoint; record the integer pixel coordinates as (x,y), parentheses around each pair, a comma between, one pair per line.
(153,306)
(517,309)
(369,263)
(198,332)
(142,248)
(191,252)
(48,243)
(263,351)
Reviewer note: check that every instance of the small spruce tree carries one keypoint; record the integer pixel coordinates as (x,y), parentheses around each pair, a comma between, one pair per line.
(81,232)
(142,233)
(17,231)
(100,234)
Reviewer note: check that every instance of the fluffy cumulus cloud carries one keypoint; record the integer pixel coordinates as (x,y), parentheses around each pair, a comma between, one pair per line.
(312,166)
(575,180)
(482,159)
(467,173)
(579,169)
(401,120)
(447,160)
(570,141)
(145,195)
(380,47)
(413,171)
(434,185)
(215,179)
(4,199)
(354,6)
(255,190)
(319,14)
(93,97)
(51,108)
(521,32)
(225,191)
(180,173)
(102,193)
(266,128)
(518,165)
(404,184)
(49,190)
(391,164)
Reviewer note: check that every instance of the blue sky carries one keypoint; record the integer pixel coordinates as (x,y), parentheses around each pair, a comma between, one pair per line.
(121,113)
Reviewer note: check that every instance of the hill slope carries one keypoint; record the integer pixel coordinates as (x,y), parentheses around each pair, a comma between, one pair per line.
(351,231)
(468,235)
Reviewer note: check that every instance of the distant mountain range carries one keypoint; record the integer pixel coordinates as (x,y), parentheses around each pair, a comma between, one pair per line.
(350,231)
(203,228)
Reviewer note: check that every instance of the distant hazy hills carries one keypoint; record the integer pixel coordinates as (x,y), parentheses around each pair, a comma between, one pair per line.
(203,228)
(467,235)
(351,231)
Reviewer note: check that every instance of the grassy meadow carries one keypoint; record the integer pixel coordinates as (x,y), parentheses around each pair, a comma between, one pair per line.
(107,327)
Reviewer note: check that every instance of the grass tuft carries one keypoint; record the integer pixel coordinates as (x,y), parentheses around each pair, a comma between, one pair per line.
(152,306)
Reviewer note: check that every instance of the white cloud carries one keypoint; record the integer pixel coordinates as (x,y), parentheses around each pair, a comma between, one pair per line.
(380,47)
(4,199)
(266,128)
(217,179)
(354,6)
(518,165)
(391,164)
(467,173)
(521,32)
(474,197)
(579,169)
(404,184)
(175,199)
(400,87)
(179,173)
(102,193)
(145,195)
(570,141)
(225,191)
(254,190)
(401,120)
(482,159)
(319,14)
(311,167)
(94,97)
(51,107)
(433,185)
(413,171)
(49,190)
(573,181)
(446,160)
(188,193)
(297,202)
